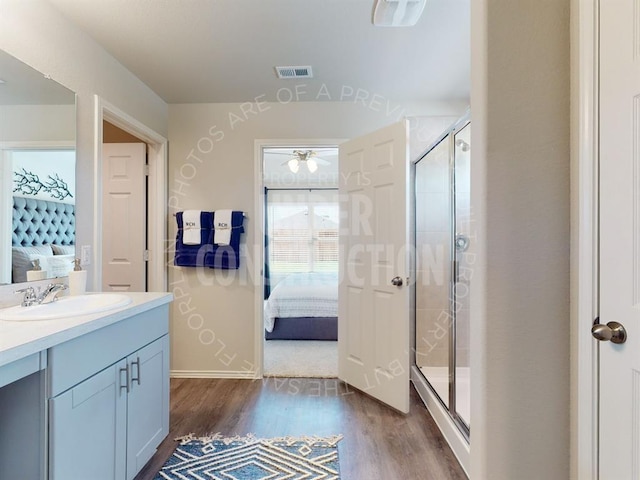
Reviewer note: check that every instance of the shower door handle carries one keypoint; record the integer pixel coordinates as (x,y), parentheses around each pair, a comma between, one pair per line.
(397,281)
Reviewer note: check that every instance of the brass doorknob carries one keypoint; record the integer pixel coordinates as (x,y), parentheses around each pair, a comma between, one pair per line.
(612,331)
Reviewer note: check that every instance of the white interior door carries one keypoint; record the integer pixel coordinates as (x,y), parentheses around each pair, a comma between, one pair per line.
(124,213)
(619,239)
(373,327)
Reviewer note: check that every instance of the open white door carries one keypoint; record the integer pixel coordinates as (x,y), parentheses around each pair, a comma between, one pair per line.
(373,312)
(124,213)
(619,160)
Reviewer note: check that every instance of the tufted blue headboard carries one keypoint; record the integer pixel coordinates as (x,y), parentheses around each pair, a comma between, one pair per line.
(41,222)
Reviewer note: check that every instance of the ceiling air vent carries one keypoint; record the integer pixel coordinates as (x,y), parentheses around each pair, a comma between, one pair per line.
(294,72)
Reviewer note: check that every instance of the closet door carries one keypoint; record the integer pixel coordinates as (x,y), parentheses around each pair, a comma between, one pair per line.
(124,211)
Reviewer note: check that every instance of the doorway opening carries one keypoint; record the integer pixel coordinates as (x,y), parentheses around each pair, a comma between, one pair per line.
(300,273)
(155,223)
(125,194)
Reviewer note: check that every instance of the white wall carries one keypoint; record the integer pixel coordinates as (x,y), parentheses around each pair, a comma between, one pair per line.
(37,123)
(520,202)
(211,166)
(34,32)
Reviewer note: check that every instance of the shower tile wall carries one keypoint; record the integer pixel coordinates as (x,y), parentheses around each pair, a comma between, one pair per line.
(433,275)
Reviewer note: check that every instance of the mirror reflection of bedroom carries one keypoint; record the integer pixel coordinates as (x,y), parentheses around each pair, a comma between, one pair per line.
(301,261)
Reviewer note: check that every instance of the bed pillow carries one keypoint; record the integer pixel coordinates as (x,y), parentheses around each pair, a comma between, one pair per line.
(63,249)
(56,265)
(21,260)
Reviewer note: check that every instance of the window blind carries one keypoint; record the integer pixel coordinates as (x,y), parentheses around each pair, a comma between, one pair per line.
(303,231)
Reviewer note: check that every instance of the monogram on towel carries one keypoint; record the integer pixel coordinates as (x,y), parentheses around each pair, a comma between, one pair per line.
(191,227)
(222,227)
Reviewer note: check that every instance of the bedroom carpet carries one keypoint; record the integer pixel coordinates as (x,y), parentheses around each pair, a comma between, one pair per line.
(300,358)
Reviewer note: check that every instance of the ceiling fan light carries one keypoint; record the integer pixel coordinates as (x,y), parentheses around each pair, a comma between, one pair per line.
(312,165)
(294,165)
(397,13)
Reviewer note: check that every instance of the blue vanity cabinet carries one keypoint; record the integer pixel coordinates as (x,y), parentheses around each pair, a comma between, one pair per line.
(147,403)
(109,401)
(88,429)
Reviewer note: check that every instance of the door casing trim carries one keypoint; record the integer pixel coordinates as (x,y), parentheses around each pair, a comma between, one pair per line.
(156,194)
(584,237)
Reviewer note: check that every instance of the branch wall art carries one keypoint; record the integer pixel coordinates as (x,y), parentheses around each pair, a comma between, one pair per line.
(29,184)
(44,174)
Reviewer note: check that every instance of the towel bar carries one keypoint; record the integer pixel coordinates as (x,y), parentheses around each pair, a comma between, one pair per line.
(243,214)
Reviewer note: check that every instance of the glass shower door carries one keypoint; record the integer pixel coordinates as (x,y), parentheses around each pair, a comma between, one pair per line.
(444,268)
(433,268)
(463,263)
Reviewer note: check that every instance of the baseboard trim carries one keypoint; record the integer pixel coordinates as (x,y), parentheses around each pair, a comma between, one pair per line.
(440,415)
(213,374)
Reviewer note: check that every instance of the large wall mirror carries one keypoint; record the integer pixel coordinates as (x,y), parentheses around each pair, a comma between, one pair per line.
(37,174)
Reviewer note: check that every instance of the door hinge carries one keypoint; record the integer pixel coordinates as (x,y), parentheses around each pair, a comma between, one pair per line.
(146,255)
(147,170)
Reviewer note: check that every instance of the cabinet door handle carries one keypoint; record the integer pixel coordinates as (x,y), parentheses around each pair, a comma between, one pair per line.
(137,364)
(126,385)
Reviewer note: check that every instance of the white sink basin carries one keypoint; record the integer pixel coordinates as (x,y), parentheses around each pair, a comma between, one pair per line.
(66,307)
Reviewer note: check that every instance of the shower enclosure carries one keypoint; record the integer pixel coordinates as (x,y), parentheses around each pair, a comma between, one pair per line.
(444,270)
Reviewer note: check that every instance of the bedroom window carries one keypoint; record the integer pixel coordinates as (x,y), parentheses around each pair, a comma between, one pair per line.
(302,228)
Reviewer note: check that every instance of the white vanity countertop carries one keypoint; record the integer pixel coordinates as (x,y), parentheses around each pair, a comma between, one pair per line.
(21,339)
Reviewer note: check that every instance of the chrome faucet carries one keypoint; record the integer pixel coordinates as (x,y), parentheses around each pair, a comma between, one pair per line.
(35,297)
(50,293)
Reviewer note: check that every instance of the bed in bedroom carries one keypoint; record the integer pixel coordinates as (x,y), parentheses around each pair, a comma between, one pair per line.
(303,306)
(45,231)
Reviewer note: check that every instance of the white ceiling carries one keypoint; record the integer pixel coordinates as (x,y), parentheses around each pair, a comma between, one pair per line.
(201,51)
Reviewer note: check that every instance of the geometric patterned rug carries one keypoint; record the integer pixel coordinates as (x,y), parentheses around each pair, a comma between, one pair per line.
(250,458)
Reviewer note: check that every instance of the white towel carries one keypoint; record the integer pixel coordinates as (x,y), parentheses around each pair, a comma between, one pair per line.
(191,227)
(222,227)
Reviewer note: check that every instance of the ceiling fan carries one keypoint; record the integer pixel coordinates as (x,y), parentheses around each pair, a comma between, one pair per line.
(307,157)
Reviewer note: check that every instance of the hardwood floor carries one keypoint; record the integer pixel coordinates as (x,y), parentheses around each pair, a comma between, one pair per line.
(378,444)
